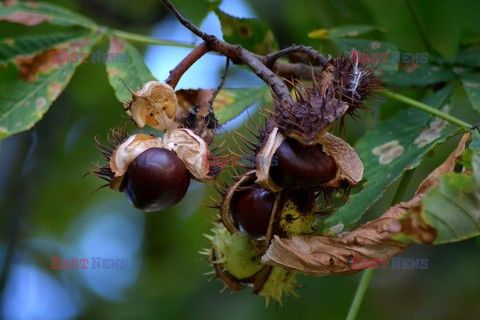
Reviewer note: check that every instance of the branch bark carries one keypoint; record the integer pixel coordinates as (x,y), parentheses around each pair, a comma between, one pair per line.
(177,72)
(238,55)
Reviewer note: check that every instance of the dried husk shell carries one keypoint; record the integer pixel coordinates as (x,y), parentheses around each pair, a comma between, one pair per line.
(126,152)
(189,147)
(349,165)
(155,105)
(193,150)
(274,140)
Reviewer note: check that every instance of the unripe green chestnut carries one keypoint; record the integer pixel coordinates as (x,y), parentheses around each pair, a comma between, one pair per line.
(156,180)
(301,166)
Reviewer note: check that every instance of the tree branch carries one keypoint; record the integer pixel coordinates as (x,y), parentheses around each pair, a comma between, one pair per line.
(220,86)
(272,57)
(238,55)
(177,72)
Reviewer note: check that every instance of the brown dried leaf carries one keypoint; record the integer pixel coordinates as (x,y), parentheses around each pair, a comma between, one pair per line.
(446,166)
(188,99)
(413,224)
(321,255)
(195,112)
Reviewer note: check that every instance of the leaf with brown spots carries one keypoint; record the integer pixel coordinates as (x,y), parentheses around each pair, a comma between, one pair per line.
(29,84)
(29,45)
(386,151)
(31,13)
(321,255)
(450,209)
(471,84)
(419,75)
(250,33)
(131,70)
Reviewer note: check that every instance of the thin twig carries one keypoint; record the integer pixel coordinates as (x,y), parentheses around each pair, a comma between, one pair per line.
(283,69)
(238,55)
(185,64)
(220,86)
(272,57)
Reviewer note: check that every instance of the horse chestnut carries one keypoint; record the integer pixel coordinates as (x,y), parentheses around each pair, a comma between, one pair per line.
(156,180)
(252,210)
(302,166)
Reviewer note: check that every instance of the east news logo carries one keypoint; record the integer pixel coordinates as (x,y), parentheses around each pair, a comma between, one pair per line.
(93,263)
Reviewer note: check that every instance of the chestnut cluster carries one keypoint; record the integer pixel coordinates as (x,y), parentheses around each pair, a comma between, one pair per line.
(267,199)
(278,200)
(155,172)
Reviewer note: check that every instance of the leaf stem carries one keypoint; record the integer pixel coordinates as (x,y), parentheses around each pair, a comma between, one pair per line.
(140,38)
(426,108)
(402,187)
(421,31)
(368,273)
(358,298)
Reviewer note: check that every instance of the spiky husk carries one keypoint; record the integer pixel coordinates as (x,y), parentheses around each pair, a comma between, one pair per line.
(312,113)
(237,264)
(341,88)
(115,138)
(351,81)
(280,282)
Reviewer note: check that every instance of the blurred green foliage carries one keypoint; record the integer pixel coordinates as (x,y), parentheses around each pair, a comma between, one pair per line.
(41,181)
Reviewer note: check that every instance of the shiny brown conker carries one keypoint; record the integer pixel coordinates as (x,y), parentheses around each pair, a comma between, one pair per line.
(252,209)
(301,166)
(156,180)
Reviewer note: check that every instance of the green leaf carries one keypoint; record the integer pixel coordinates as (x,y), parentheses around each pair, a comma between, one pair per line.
(468,57)
(452,208)
(467,155)
(423,75)
(369,47)
(28,86)
(349,31)
(231,102)
(133,72)
(394,146)
(196,11)
(250,33)
(12,47)
(33,13)
(471,84)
